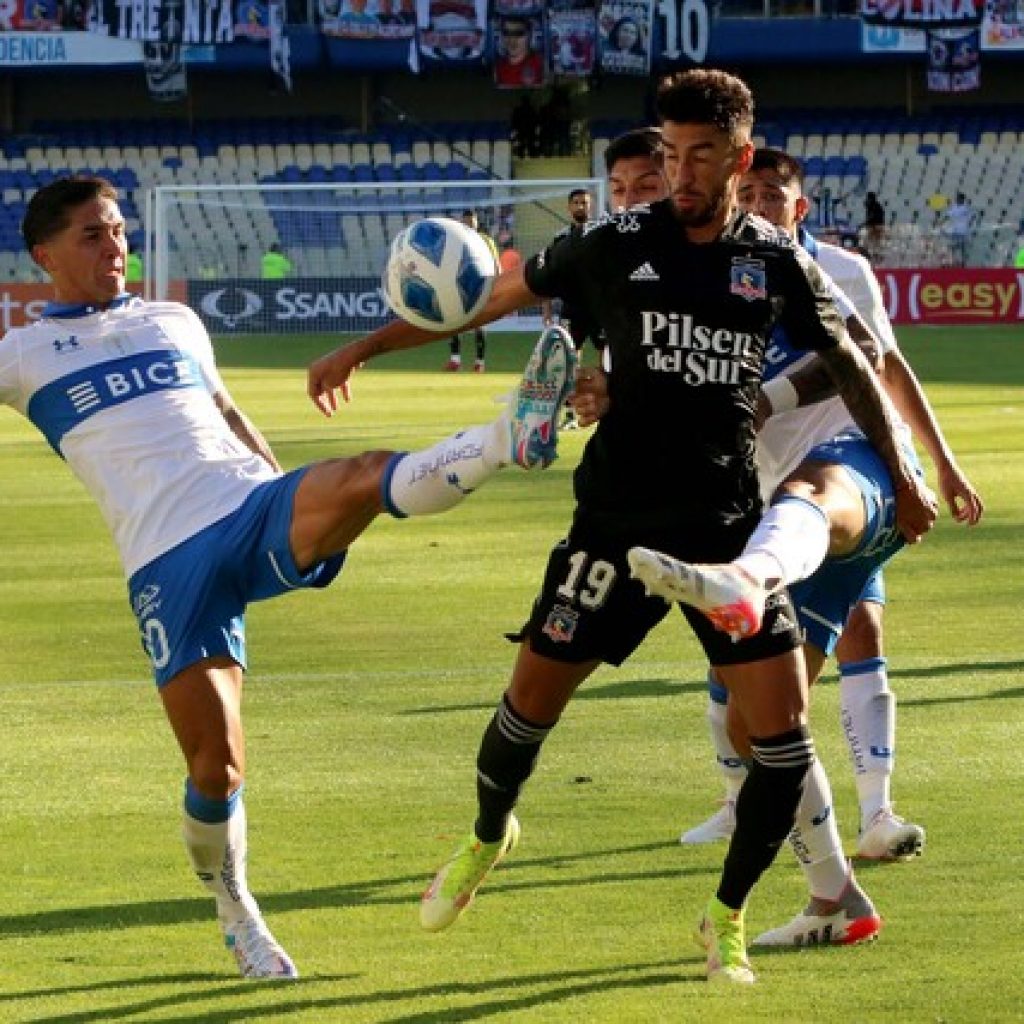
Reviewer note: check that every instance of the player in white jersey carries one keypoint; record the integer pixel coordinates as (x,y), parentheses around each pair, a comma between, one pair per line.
(842,473)
(204,519)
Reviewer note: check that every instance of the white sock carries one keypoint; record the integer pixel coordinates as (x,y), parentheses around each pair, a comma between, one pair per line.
(730,764)
(438,478)
(815,838)
(788,545)
(217,851)
(867,709)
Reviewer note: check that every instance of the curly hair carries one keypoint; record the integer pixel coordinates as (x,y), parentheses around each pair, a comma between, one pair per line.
(704,96)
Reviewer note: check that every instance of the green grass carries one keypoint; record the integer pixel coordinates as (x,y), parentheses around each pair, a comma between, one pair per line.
(364,709)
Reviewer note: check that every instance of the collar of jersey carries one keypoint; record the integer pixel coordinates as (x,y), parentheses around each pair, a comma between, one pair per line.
(70,310)
(808,241)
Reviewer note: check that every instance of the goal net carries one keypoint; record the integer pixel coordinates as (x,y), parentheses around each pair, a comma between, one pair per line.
(205,244)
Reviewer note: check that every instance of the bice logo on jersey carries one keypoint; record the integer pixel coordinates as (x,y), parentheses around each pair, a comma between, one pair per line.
(747,279)
(125,379)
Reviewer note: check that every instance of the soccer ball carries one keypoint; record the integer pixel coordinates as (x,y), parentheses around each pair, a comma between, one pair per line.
(439,274)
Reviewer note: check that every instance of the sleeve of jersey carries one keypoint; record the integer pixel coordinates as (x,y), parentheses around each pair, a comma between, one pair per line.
(202,351)
(9,369)
(557,271)
(810,313)
(866,295)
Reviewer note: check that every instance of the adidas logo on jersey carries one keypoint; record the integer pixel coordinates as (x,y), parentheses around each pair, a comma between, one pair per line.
(645,272)
(782,624)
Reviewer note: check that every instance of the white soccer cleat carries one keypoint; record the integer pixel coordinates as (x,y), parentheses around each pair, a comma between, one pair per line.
(729,597)
(258,953)
(889,837)
(844,922)
(720,825)
(536,405)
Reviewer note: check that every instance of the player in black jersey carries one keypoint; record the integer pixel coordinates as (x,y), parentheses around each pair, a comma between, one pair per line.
(686,292)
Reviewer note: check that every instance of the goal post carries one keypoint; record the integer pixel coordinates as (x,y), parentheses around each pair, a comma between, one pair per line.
(205,243)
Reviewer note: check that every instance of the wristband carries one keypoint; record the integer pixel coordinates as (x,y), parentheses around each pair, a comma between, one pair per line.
(781,394)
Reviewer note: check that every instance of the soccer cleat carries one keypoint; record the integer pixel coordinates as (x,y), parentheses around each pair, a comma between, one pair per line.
(720,933)
(258,953)
(889,837)
(548,380)
(453,366)
(720,825)
(455,885)
(478,366)
(729,597)
(844,922)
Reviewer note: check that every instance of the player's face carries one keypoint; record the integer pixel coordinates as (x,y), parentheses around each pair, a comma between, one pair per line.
(86,260)
(579,207)
(767,194)
(636,179)
(702,164)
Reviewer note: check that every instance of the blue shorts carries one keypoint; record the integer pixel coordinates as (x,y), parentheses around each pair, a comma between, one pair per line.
(824,602)
(190,602)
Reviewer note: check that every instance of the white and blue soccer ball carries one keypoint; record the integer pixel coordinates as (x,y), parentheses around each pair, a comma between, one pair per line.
(439,274)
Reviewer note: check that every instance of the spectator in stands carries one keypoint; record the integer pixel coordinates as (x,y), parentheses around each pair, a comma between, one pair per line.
(959,223)
(525,128)
(454,364)
(275,265)
(133,272)
(518,63)
(874,223)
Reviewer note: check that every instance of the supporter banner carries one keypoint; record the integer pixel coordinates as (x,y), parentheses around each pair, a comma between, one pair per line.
(451,30)
(923,13)
(280,47)
(572,38)
(165,70)
(1002,30)
(32,16)
(624,36)
(205,21)
(254,306)
(519,43)
(948,295)
(58,49)
(954,60)
(368,19)
(252,20)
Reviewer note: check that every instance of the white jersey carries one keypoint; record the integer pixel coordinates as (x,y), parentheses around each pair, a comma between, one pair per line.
(125,395)
(785,439)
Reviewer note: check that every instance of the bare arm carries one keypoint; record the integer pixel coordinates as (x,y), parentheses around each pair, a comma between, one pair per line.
(333,371)
(244,429)
(965,504)
(859,387)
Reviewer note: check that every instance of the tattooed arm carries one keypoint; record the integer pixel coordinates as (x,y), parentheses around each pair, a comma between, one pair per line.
(872,411)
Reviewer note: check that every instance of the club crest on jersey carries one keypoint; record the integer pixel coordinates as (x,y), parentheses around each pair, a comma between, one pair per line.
(561,624)
(747,279)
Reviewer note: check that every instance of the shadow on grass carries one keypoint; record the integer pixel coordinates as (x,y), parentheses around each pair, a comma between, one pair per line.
(296,997)
(648,688)
(378,892)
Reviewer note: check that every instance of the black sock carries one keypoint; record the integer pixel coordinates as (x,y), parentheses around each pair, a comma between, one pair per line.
(455,345)
(505,761)
(765,810)
(481,345)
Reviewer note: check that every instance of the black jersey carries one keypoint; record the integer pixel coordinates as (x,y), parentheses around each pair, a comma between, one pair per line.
(686,326)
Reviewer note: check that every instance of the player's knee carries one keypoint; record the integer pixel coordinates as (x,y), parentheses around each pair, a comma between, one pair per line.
(863,636)
(214,775)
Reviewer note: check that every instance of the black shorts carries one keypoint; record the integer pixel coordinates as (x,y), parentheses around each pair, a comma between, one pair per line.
(590,608)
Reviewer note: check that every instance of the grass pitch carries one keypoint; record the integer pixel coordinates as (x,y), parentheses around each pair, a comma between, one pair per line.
(364,709)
